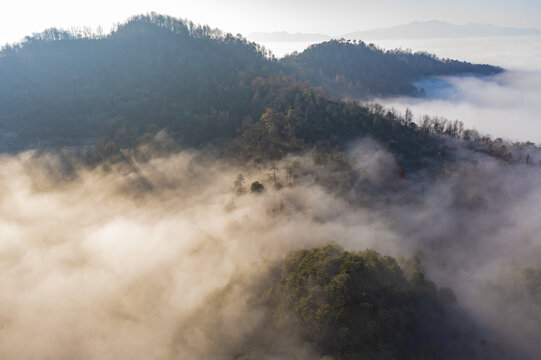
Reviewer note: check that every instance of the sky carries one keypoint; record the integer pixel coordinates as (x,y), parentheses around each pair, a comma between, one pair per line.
(23,17)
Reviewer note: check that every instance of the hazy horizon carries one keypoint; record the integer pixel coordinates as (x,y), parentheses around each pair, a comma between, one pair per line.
(243,16)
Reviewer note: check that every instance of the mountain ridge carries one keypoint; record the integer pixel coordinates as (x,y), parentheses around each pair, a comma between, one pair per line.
(207,88)
(434,29)
(413,30)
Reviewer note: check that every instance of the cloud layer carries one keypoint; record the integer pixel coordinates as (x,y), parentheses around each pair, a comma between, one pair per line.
(111,263)
(503,106)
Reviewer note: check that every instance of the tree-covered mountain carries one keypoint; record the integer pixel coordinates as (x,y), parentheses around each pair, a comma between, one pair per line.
(341,305)
(358,70)
(204,87)
(152,69)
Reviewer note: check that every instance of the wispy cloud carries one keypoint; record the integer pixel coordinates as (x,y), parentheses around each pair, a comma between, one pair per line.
(99,264)
(506,105)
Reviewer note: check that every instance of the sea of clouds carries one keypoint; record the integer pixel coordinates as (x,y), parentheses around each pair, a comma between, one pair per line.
(505,105)
(118,262)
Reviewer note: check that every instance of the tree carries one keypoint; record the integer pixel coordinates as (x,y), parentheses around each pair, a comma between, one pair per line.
(408,116)
(256,187)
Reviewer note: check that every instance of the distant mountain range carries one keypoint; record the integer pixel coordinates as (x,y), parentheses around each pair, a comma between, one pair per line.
(416,30)
(439,29)
(284,36)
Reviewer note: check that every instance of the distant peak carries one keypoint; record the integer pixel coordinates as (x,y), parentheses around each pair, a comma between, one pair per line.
(432,29)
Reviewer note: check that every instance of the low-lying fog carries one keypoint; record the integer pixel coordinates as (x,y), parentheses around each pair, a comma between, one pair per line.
(108,263)
(513,53)
(505,105)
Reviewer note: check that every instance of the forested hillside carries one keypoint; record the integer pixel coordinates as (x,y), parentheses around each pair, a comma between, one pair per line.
(151,70)
(355,69)
(204,87)
(341,305)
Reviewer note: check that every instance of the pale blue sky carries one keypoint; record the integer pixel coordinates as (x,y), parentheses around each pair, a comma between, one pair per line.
(22,17)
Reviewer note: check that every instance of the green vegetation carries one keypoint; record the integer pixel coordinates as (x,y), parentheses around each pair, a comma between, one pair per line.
(360,305)
(256,187)
(345,305)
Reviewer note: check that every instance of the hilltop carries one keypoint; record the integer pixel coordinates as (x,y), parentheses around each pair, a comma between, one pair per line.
(205,88)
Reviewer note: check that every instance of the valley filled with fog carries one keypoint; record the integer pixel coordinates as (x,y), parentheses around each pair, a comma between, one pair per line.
(506,105)
(129,260)
(170,191)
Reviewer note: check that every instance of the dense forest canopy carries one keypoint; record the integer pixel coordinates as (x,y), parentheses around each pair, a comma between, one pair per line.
(358,70)
(152,69)
(342,305)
